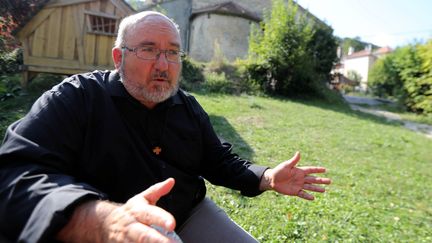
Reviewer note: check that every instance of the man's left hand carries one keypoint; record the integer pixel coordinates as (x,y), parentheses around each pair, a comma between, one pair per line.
(288,179)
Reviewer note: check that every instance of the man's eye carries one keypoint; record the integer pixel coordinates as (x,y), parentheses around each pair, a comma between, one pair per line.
(147,49)
(173,52)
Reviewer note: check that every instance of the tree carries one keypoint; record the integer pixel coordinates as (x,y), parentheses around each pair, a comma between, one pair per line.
(292,54)
(407,75)
(13,14)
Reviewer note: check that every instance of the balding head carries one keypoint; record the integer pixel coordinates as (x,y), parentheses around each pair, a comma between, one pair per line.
(128,24)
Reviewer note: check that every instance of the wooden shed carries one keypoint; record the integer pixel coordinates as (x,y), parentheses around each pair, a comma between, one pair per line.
(71,36)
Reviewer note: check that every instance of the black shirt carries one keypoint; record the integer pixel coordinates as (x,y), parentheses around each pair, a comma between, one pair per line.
(87,138)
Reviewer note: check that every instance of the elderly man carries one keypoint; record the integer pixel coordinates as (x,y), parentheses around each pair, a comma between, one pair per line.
(120,156)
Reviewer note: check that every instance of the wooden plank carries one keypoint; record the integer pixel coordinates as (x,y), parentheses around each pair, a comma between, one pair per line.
(39,40)
(103,4)
(121,8)
(110,8)
(95,6)
(109,51)
(101,51)
(62,70)
(90,49)
(26,48)
(69,34)
(52,62)
(54,33)
(61,3)
(80,30)
(34,23)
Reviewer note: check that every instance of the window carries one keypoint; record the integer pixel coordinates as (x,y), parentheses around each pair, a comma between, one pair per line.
(100,24)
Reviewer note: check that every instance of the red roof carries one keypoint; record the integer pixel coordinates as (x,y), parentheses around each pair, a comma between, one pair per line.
(383,50)
(362,53)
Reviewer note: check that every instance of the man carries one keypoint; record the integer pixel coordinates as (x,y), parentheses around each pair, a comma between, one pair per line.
(120,156)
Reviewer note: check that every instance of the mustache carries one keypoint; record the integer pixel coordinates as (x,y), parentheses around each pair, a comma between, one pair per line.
(158,74)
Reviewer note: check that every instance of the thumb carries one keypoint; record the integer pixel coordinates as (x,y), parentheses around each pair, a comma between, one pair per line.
(293,161)
(158,190)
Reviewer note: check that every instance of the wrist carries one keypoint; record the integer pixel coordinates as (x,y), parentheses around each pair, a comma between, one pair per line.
(87,222)
(266,182)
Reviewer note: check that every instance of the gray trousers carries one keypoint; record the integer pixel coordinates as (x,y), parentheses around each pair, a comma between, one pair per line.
(210,224)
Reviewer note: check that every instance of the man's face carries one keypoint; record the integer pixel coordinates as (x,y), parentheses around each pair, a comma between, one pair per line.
(151,81)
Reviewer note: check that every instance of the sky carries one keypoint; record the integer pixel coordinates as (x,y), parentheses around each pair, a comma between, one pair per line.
(381,22)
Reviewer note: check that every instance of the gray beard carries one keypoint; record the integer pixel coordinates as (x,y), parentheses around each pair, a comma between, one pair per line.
(159,95)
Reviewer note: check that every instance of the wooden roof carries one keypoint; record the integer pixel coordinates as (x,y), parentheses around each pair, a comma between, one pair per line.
(56,3)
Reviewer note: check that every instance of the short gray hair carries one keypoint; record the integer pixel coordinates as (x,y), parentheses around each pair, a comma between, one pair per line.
(130,21)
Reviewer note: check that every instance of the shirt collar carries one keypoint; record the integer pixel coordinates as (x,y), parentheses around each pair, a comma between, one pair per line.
(116,88)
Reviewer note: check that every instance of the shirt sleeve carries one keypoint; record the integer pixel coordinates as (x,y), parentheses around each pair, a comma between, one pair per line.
(222,167)
(39,186)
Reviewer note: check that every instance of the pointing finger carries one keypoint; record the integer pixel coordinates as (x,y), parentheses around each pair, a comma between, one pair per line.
(153,193)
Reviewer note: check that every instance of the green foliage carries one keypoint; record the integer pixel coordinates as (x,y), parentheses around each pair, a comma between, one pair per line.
(192,74)
(384,79)
(9,86)
(354,76)
(10,61)
(218,82)
(407,75)
(292,56)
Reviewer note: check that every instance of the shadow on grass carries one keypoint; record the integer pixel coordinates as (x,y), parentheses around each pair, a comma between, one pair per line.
(227,133)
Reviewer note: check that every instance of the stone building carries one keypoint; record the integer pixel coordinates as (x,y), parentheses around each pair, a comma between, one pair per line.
(205,23)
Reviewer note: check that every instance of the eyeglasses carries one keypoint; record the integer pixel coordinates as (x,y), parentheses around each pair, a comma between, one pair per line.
(152,53)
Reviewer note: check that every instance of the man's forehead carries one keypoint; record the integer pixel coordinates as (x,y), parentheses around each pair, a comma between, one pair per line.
(153,24)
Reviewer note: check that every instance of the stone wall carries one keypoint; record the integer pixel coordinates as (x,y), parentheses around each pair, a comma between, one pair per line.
(231,33)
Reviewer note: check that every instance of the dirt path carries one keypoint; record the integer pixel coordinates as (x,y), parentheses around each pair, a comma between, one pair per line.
(390,116)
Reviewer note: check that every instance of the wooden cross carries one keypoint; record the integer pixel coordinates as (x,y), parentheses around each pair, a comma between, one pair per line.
(157,150)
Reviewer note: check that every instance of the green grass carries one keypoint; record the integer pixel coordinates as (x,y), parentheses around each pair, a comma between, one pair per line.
(381,172)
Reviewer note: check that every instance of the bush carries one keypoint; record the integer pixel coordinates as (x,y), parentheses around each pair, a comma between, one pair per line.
(10,61)
(217,82)
(407,75)
(192,74)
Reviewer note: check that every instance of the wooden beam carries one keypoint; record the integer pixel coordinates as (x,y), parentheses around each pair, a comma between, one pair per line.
(52,62)
(34,23)
(69,35)
(54,33)
(107,15)
(70,71)
(61,3)
(80,31)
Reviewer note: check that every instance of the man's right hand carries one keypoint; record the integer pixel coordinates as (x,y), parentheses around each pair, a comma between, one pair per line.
(102,221)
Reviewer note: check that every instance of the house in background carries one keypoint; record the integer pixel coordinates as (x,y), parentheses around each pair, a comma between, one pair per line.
(361,62)
(71,36)
(203,23)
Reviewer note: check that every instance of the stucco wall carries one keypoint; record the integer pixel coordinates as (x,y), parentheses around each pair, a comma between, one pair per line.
(232,34)
(362,65)
(179,11)
(256,6)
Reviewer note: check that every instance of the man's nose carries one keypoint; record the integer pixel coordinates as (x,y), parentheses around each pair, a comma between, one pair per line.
(161,62)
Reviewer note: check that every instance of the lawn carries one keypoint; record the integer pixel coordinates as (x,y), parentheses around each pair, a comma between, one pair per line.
(381,172)
(382,176)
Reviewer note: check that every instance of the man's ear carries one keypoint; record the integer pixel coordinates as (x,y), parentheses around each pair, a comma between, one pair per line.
(117,57)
